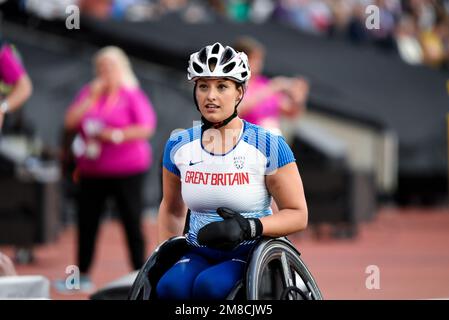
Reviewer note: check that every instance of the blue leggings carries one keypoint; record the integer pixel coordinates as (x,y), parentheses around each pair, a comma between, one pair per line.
(203,274)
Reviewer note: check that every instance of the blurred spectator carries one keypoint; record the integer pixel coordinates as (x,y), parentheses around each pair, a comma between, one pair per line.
(189,11)
(120,7)
(114,120)
(15,90)
(6,266)
(48,9)
(341,11)
(218,6)
(383,36)
(357,31)
(15,85)
(407,41)
(238,10)
(173,5)
(434,42)
(261,10)
(308,15)
(423,11)
(266,100)
(100,9)
(417,27)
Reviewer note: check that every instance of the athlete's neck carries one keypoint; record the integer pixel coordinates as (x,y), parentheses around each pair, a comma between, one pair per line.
(221,140)
(235,125)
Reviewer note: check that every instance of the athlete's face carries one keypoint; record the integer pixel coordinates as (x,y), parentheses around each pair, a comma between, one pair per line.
(217,98)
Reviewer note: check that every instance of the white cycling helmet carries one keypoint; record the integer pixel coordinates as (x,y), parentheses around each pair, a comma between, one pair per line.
(218,61)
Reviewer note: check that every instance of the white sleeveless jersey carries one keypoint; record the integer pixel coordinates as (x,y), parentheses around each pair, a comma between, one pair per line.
(235,180)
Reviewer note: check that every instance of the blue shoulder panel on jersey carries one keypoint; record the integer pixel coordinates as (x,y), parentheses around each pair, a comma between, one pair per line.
(176,141)
(273,147)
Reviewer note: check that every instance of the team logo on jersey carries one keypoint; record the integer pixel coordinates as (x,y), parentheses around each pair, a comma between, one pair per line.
(239,162)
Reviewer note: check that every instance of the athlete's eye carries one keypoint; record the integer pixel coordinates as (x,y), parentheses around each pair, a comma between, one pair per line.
(202,86)
(222,86)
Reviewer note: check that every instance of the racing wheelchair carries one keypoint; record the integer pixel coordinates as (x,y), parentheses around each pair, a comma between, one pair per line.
(275,271)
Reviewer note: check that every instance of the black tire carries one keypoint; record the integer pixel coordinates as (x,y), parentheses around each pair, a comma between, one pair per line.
(159,262)
(141,288)
(276,271)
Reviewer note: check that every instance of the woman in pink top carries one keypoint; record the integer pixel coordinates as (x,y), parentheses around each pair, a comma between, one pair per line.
(114,120)
(266,100)
(15,85)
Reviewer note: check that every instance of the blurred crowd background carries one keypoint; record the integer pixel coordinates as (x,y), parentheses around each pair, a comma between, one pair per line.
(418,29)
(377,97)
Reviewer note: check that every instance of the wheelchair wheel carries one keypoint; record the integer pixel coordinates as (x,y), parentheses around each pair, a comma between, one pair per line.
(276,272)
(159,262)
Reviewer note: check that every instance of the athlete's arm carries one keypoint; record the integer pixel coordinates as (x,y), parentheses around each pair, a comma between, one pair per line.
(172,211)
(286,187)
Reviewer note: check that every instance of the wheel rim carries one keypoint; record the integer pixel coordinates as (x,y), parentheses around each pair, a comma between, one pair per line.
(141,288)
(281,259)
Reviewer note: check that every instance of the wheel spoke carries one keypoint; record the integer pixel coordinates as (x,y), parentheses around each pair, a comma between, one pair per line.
(311,294)
(287,272)
(279,272)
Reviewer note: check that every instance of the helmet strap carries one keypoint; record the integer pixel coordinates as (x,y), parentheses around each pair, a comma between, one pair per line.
(207,124)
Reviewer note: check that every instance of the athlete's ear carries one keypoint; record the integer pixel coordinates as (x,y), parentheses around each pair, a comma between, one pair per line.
(240,96)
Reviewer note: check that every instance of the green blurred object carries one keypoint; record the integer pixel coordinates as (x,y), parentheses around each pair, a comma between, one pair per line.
(238,10)
(4,89)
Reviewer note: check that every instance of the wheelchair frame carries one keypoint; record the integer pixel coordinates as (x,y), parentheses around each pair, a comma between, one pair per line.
(275,272)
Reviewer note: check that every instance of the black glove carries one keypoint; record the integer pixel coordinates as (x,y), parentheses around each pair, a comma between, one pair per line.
(227,234)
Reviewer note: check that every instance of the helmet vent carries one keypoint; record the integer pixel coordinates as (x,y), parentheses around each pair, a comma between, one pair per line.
(212,63)
(197,67)
(227,55)
(216,48)
(229,67)
(202,56)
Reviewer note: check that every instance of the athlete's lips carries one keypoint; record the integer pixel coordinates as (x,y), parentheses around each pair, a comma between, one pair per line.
(211,106)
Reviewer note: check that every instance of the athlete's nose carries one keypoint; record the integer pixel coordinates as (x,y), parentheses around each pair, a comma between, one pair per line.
(211,94)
